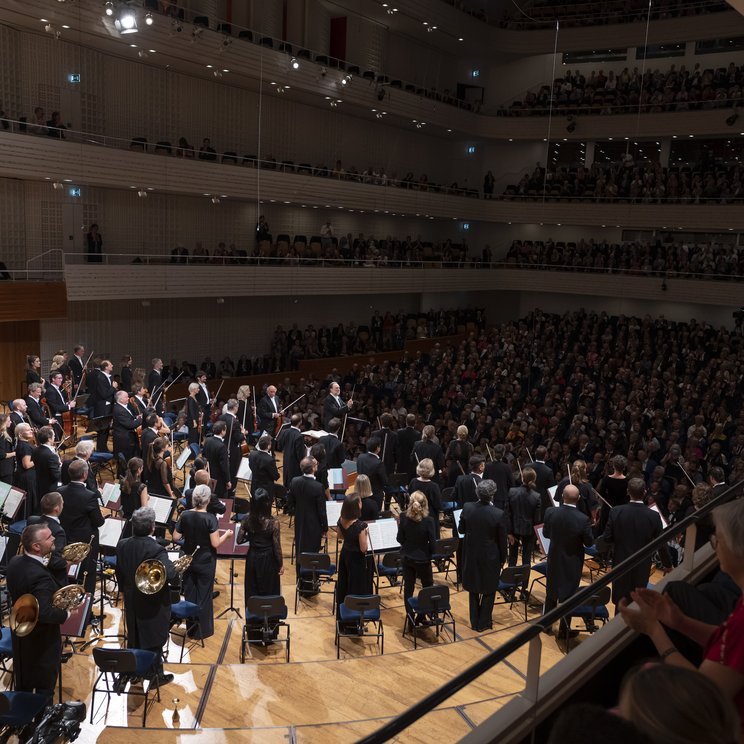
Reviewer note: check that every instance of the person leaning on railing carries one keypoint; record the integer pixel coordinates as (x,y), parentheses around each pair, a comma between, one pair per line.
(723,645)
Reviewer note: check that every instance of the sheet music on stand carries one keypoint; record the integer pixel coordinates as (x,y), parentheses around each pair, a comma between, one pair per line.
(551,492)
(4,491)
(3,546)
(544,541)
(183,458)
(110,531)
(333,512)
(74,626)
(244,470)
(163,509)
(230,548)
(337,480)
(173,555)
(383,535)
(13,503)
(456,516)
(111,496)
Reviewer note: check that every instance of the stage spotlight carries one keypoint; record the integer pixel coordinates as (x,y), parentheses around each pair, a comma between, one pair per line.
(149,18)
(142,194)
(126,22)
(295,63)
(346,79)
(108,7)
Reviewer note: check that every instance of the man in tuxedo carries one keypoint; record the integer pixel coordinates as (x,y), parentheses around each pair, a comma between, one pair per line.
(717,480)
(102,391)
(76,363)
(51,506)
(47,465)
(291,443)
(466,485)
(56,399)
(234,437)
(83,450)
(264,472)
(569,531)
(370,464)
(35,412)
(147,615)
(545,478)
(268,411)
(501,474)
(629,528)
(389,443)
(203,398)
(155,384)
(36,657)
(306,497)
(334,447)
(202,478)
(333,406)
(18,415)
(81,518)
(148,436)
(215,453)
(138,403)
(407,438)
(125,431)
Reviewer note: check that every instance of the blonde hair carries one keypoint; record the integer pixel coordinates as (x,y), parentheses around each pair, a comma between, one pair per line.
(425,468)
(193,386)
(363,486)
(418,507)
(462,432)
(578,471)
(701,495)
(57,361)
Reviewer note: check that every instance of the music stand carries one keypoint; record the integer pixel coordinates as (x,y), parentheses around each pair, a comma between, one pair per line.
(231,549)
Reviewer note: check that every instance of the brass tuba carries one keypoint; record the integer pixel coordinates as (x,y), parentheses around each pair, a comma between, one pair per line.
(24,615)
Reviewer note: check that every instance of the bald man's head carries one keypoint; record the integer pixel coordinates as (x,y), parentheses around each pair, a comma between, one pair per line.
(571,495)
(201,477)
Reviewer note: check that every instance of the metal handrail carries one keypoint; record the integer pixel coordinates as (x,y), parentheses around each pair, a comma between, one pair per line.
(583,596)
(593,108)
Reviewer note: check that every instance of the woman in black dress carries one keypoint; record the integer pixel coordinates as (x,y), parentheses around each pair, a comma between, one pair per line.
(193,414)
(458,455)
(33,369)
(199,529)
(160,478)
(363,489)
(133,493)
(354,574)
(126,373)
(25,475)
(613,489)
(423,482)
(416,537)
(263,562)
(7,451)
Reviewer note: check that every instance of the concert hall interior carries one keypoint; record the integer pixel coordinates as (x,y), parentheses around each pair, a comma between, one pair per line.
(390,286)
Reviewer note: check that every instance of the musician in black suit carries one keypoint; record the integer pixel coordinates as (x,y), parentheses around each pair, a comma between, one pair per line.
(484,553)
(629,528)
(148,436)
(389,443)
(18,415)
(333,406)
(291,444)
(501,474)
(545,477)
(46,463)
(407,437)
(267,411)
(137,401)
(155,384)
(264,473)
(82,517)
(76,364)
(234,437)
(334,447)
(523,513)
(35,412)
(215,453)
(203,398)
(36,657)
(717,480)
(307,498)
(102,391)
(147,615)
(425,448)
(83,450)
(125,431)
(202,478)
(51,506)
(370,464)
(56,399)
(126,373)
(466,485)
(569,531)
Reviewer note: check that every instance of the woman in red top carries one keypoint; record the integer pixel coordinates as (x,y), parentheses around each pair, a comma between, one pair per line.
(723,660)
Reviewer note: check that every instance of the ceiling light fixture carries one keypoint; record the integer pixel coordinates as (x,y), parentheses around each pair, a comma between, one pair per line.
(294,63)
(149,18)
(108,8)
(126,22)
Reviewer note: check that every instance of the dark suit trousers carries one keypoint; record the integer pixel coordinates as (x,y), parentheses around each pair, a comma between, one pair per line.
(481,609)
(413,570)
(527,543)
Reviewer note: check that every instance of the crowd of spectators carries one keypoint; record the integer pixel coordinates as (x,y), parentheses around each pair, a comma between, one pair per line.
(582,384)
(544,13)
(668,259)
(638,182)
(629,92)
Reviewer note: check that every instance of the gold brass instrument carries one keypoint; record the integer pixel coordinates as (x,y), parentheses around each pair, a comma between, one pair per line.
(24,615)
(78,551)
(69,597)
(151,575)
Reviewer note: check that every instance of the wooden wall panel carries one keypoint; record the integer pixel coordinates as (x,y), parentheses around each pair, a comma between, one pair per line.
(32,300)
(17,340)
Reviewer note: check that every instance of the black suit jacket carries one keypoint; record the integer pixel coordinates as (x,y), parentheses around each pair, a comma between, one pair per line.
(335,451)
(307,498)
(90,483)
(543,481)
(291,444)
(35,413)
(332,409)
(102,392)
(124,429)
(16,418)
(147,615)
(264,472)
(631,527)
(425,449)
(81,516)
(501,474)
(155,388)
(233,439)
(373,467)
(406,439)
(388,448)
(146,440)
(56,401)
(484,550)
(465,489)
(48,470)
(569,531)
(37,655)
(76,368)
(215,452)
(264,411)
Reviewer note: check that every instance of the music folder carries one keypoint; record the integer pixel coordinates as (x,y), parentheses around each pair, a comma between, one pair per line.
(183,458)
(456,516)
(383,535)
(230,548)
(163,509)
(110,531)
(244,470)
(552,490)
(13,502)
(544,541)
(337,480)
(75,624)
(333,512)
(111,496)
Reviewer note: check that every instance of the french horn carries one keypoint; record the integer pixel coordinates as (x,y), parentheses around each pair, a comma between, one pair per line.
(24,615)
(151,574)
